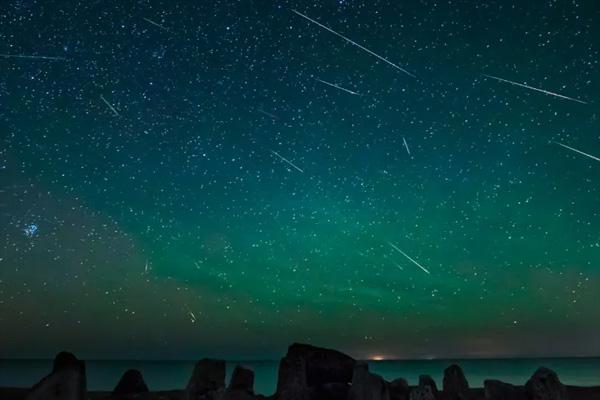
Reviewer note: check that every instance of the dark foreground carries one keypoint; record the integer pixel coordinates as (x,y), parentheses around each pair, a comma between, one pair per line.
(305,373)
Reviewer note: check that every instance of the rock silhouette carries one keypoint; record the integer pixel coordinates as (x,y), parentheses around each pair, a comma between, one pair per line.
(241,386)
(455,384)
(422,392)
(131,384)
(399,389)
(242,379)
(67,380)
(207,381)
(498,390)
(305,373)
(367,386)
(545,385)
(426,380)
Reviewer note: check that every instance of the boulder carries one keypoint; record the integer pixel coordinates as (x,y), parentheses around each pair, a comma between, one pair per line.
(367,386)
(426,380)
(422,392)
(242,379)
(131,383)
(67,381)
(332,391)
(545,385)
(291,379)
(207,381)
(399,389)
(455,383)
(498,390)
(306,369)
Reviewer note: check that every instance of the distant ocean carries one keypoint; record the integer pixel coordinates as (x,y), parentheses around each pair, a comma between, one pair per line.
(165,375)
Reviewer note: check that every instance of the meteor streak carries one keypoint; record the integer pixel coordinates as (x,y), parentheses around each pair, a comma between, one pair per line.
(354,43)
(578,151)
(155,24)
(407,256)
(286,160)
(406,145)
(337,87)
(110,106)
(33,57)
(534,88)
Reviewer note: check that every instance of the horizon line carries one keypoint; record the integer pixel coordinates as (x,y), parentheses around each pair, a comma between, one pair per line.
(258,360)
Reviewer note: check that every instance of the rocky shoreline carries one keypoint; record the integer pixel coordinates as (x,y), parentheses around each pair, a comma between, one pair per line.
(305,373)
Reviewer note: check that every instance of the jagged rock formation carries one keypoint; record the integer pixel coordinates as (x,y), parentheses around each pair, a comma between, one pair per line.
(131,384)
(455,384)
(207,381)
(67,380)
(367,386)
(498,390)
(307,372)
(545,385)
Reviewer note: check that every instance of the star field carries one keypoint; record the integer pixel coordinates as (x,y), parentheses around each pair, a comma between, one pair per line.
(225,178)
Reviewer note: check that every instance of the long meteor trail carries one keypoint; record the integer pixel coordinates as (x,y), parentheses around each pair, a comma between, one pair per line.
(354,43)
(337,86)
(33,57)
(578,151)
(534,88)
(286,160)
(407,256)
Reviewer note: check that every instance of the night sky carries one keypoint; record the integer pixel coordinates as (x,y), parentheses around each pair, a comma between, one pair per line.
(183,178)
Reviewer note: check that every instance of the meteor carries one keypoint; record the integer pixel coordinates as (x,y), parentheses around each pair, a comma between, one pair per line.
(337,87)
(407,256)
(109,106)
(354,43)
(534,88)
(578,151)
(286,160)
(155,24)
(406,145)
(33,57)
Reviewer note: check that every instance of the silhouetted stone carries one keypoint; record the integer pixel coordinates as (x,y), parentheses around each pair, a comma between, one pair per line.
(455,384)
(545,385)
(132,382)
(66,381)
(207,381)
(422,392)
(306,369)
(399,389)
(426,380)
(367,386)
(498,390)
(332,391)
(237,395)
(242,379)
